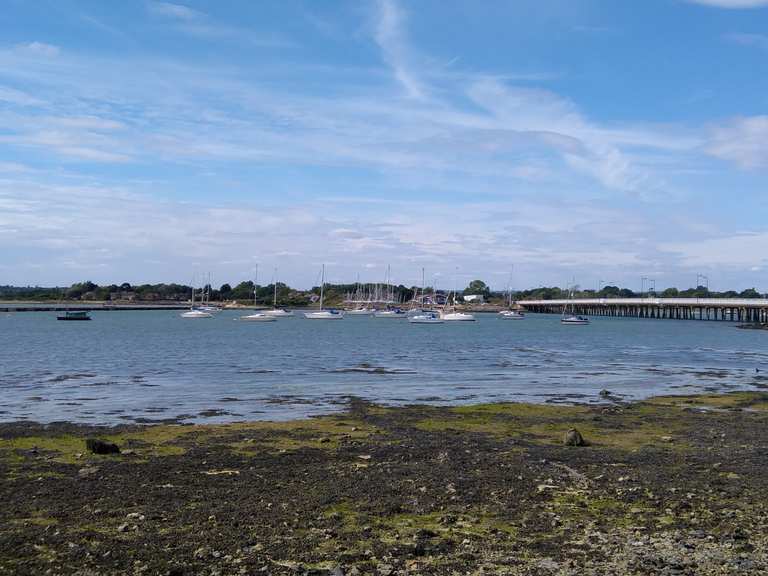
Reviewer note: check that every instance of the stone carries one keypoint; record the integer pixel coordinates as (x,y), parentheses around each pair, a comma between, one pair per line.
(101,447)
(87,471)
(605,393)
(122,528)
(574,438)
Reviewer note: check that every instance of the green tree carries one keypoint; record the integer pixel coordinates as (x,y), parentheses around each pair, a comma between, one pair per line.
(477,287)
(749,293)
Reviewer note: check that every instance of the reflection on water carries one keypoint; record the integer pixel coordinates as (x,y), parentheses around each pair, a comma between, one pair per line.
(150,366)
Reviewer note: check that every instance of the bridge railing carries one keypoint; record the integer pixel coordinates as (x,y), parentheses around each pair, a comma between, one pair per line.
(718,302)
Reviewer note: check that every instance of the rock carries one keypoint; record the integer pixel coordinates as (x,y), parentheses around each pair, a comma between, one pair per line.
(605,393)
(324,440)
(336,571)
(385,569)
(100,447)
(87,471)
(574,438)
(135,516)
(122,528)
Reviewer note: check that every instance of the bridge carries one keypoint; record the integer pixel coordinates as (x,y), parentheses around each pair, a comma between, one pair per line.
(728,309)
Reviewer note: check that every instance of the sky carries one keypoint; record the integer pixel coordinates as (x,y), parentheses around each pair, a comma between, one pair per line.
(595,141)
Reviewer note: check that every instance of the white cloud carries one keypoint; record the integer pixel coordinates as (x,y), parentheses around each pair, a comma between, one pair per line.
(175,11)
(743,141)
(732,4)
(38,49)
(390,38)
(745,39)
(747,250)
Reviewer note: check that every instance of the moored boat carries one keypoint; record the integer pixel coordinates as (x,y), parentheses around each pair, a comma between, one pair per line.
(74,316)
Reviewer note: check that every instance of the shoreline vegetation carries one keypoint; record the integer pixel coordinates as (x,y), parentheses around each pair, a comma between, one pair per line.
(668,485)
(247,293)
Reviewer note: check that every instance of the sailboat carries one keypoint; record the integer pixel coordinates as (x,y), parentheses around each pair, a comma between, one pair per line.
(195,312)
(453,315)
(572,319)
(420,316)
(510,313)
(323,314)
(362,309)
(257,316)
(205,303)
(277,312)
(391,311)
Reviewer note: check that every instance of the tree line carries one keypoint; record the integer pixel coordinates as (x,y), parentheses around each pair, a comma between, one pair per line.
(248,292)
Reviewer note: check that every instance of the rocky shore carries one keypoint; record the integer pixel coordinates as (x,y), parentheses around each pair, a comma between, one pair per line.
(672,485)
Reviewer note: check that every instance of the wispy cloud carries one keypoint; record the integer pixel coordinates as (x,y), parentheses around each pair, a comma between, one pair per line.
(40,49)
(757,40)
(743,141)
(732,4)
(390,36)
(175,11)
(200,25)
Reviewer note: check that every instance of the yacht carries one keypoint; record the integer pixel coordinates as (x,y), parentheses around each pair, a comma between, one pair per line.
(426,318)
(365,311)
(323,314)
(275,311)
(390,313)
(195,312)
(571,318)
(512,315)
(457,316)
(258,317)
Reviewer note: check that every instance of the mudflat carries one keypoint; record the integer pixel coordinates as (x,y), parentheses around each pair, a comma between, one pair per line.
(671,485)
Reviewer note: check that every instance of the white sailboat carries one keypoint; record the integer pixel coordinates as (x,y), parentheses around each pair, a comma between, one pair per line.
(420,316)
(453,315)
(257,316)
(390,311)
(572,319)
(362,309)
(194,312)
(323,314)
(277,312)
(510,313)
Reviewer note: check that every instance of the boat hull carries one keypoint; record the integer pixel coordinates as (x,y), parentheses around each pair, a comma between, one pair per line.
(323,316)
(258,318)
(278,313)
(458,317)
(196,314)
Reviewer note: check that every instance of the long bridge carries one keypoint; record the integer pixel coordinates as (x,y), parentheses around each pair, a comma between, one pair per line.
(729,309)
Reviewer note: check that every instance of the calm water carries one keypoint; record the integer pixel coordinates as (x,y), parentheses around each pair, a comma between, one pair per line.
(142,366)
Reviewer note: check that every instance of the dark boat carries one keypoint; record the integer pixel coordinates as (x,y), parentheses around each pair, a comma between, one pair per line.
(74,316)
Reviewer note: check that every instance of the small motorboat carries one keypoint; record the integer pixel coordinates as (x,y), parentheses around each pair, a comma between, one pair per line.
(511,315)
(457,317)
(324,315)
(258,317)
(74,316)
(360,312)
(574,320)
(426,318)
(278,313)
(196,313)
(391,313)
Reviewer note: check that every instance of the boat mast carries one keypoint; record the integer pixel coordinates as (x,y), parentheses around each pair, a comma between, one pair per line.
(322,286)
(255,284)
(274,301)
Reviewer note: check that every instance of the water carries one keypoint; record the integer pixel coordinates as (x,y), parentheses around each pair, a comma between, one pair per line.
(150,366)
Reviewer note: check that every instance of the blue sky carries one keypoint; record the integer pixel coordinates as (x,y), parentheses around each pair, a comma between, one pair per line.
(607,140)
